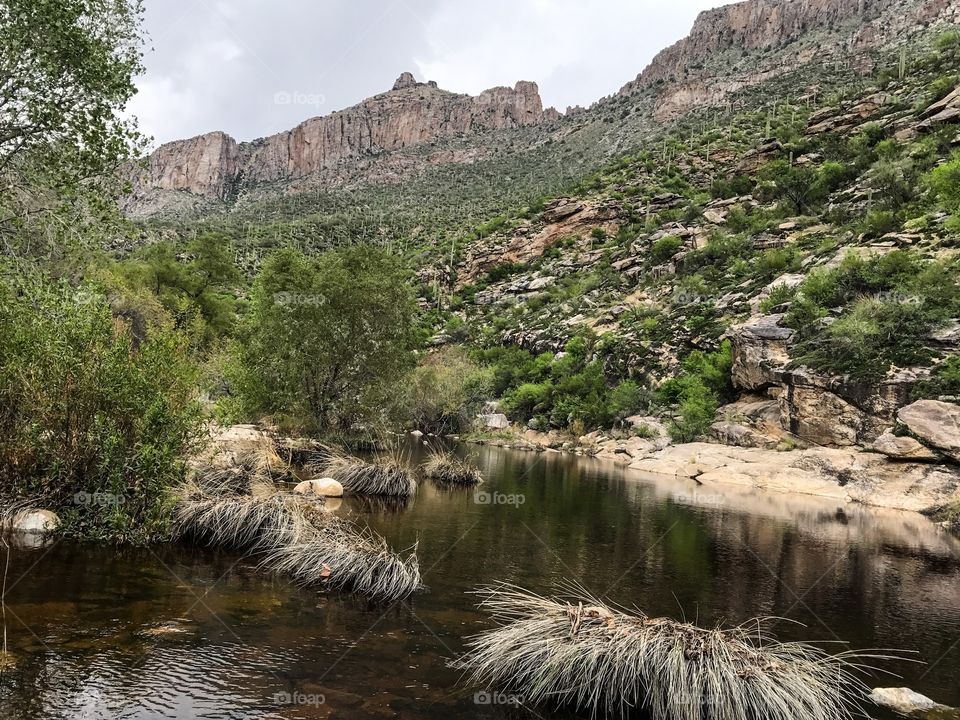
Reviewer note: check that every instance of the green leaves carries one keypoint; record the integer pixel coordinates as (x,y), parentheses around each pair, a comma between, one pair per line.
(326,339)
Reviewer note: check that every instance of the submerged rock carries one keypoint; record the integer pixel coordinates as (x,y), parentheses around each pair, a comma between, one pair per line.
(911,703)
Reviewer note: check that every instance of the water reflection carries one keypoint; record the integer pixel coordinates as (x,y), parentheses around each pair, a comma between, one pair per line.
(181,633)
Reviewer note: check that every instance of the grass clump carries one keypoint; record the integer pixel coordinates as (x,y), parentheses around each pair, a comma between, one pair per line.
(446,468)
(386,475)
(602,660)
(294,535)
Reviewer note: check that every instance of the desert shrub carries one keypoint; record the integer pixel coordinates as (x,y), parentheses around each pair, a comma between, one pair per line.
(326,339)
(627,398)
(665,248)
(945,381)
(94,422)
(528,399)
(884,310)
(444,392)
(944,183)
(697,391)
(893,182)
(877,223)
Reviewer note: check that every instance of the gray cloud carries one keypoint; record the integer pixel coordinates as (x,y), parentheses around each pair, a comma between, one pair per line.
(252,68)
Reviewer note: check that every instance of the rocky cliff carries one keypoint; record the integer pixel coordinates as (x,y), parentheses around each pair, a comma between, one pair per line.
(705,67)
(214,165)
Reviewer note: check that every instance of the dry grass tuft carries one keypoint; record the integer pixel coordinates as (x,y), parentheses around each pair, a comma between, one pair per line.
(607,661)
(445,468)
(386,475)
(293,534)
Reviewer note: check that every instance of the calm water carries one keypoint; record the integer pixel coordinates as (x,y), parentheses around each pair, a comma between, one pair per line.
(183,633)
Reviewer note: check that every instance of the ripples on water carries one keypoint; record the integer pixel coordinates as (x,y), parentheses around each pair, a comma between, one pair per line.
(182,633)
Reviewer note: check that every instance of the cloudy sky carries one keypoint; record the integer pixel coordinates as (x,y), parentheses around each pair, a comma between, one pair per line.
(255,67)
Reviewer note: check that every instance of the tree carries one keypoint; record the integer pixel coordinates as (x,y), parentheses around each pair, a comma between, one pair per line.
(327,338)
(200,282)
(66,74)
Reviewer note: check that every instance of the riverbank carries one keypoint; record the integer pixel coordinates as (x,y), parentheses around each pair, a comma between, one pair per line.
(851,475)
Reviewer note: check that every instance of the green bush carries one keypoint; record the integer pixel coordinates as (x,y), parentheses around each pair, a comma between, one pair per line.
(944,182)
(945,381)
(95,422)
(445,392)
(326,339)
(665,248)
(883,311)
(697,391)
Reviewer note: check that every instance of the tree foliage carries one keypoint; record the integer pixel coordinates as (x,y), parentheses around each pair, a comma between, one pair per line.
(326,339)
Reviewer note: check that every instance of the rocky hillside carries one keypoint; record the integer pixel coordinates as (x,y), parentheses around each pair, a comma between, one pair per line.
(783,276)
(216,167)
(746,43)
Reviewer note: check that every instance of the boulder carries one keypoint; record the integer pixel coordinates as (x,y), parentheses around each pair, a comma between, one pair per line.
(904,448)
(325,487)
(240,445)
(936,423)
(733,433)
(911,703)
(821,417)
(494,421)
(35,521)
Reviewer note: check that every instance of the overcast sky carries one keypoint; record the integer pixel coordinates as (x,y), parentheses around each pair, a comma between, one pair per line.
(255,67)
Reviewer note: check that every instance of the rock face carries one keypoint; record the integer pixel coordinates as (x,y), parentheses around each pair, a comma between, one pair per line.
(214,165)
(936,423)
(845,474)
(724,33)
(205,165)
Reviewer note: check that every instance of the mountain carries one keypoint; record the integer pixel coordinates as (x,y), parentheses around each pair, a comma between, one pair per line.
(216,167)
(746,43)
(406,145)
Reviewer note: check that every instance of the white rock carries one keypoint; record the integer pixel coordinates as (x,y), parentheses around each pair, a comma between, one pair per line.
(35,521)
(904,700)
(325,487)
(494,421)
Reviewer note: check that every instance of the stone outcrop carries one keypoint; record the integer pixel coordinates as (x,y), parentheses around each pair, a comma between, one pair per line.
(205,165)
(844,474)
(936,423)
(812,408)
(214,165)
(562,218)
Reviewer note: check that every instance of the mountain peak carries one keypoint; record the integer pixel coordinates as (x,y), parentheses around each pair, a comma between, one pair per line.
(405,80)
